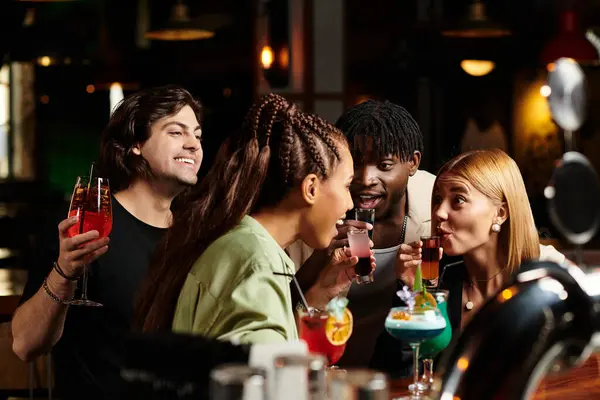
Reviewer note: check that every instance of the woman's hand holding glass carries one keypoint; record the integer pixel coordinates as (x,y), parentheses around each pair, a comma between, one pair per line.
(408,257)
(337,275)
(335,278)
(341,240)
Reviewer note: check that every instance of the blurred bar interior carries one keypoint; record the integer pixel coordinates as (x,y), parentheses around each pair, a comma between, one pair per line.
(473,73)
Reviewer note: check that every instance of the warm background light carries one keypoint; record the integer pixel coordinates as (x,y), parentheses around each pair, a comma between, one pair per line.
(284,58)
(545,91)
(266,57)
(477,67)
(507,294)
(536,142)
(462,364)
(532,110)
(179,34)
(115,95)
(44,61)
(361,99)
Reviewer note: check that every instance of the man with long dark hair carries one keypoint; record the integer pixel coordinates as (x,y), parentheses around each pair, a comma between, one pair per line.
(150,152)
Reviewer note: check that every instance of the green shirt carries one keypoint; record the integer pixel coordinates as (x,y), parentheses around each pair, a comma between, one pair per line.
(231,292)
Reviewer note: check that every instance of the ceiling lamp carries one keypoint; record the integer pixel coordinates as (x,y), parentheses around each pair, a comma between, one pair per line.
(180,27)
(476,25)
(569,43)
(477,67)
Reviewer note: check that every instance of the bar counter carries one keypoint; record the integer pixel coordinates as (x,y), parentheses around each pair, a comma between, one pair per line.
(581,383)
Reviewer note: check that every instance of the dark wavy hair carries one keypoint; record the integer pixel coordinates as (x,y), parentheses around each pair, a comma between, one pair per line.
(130,124)
(391,126)
(277,147)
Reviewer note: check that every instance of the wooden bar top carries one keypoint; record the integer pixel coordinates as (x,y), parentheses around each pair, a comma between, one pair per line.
(581,383)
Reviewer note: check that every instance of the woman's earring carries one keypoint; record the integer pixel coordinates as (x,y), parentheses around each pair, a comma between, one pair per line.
(495,227)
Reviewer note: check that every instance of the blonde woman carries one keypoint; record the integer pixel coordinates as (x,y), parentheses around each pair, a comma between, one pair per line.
(481,211)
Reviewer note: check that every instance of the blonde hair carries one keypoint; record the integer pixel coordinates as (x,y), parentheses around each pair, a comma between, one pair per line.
(497,176)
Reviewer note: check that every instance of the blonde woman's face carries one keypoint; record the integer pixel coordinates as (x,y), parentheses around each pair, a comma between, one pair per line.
(461,215)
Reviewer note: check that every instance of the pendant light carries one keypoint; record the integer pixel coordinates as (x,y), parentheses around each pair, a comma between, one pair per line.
(570,42)
(180,27)
(477,26)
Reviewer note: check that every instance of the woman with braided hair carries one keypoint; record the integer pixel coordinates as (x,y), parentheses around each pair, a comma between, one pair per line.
(221,270)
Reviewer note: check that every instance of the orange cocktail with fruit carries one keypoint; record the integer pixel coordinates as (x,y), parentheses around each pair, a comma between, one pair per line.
(326,332)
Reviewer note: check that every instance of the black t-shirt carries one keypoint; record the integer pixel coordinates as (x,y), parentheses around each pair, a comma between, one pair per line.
(87,357)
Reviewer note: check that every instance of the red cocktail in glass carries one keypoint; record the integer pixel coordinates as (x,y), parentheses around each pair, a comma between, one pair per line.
(324,334)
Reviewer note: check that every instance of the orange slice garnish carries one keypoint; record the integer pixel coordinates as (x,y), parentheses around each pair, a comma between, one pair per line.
(338,332)
(401,315)
(425,301)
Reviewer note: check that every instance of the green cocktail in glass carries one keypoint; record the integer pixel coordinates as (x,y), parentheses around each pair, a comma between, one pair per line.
(431,347)
(413,326)
(419,322)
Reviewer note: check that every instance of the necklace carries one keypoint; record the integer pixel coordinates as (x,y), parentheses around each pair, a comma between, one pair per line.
(469,304)
(403,233)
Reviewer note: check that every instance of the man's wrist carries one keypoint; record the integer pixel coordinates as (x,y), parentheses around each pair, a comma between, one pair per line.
(59,284)
(62,273)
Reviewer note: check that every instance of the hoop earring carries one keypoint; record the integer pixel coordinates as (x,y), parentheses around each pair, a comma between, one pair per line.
(495,227)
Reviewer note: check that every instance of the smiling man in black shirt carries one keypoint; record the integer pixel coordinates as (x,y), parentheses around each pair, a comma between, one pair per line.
(151,152)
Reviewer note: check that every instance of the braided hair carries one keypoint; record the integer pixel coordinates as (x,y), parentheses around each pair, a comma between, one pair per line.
(277,147)
(393,129)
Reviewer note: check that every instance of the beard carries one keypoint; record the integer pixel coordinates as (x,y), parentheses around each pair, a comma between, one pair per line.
(392,203)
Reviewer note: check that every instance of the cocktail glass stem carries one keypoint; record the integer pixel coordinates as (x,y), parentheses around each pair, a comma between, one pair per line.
(414,388)
(84,283)
(427,378)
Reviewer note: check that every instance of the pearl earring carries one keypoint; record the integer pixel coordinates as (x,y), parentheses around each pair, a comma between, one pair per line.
(495,227)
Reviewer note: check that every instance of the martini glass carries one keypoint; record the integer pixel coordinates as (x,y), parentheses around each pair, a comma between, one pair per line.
(414,326)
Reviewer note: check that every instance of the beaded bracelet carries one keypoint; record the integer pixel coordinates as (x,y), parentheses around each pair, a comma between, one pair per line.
(62,273)
(55,297)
